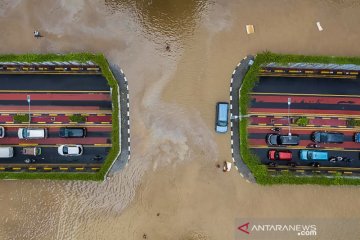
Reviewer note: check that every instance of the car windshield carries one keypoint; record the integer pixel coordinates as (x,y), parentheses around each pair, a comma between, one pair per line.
(25,133)
(65,150)
(323,137)
(222,123)
(277,155)
(310,155)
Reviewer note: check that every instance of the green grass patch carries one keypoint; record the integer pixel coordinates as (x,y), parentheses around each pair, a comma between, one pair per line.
(353,123)
(100,60)
(77,118)
(302,121)
(20,118)
(251,160)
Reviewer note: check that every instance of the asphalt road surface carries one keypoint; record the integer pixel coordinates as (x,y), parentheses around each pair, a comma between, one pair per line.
(308,85)
(67,82)
(327,107)
(50,155)
(262,153)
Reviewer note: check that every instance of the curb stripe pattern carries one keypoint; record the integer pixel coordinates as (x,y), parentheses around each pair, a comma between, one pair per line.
(232,121)
(127,112)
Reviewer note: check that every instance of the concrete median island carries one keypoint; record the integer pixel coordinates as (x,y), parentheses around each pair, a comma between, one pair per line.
(60,115)
(315,99)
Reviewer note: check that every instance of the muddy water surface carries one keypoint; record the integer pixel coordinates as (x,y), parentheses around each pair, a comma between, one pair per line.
(174,148)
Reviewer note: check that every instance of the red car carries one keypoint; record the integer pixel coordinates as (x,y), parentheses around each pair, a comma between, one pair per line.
(280,155)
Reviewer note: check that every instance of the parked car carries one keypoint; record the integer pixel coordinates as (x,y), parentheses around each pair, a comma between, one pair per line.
(32,133)
(327,137)
(6,152)
(280,155)
(314,155)
(357,137)
(278,139)
(70,150)
(33,151)
(222,112)
(2,132)
(66,132)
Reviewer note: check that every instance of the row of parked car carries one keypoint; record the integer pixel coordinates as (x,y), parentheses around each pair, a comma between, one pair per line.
(276,139)
(41,133)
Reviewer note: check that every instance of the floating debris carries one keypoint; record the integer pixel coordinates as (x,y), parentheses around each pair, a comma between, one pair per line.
(250,29)
(319,26)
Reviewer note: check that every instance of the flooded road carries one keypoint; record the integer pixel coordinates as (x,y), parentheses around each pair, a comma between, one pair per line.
(171,188)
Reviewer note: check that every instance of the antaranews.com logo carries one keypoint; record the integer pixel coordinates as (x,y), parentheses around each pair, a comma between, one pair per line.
(274,229)
(300,229)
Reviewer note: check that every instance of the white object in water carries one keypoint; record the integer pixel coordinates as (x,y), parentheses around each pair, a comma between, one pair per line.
(319,26)
(250,29)
(227,166)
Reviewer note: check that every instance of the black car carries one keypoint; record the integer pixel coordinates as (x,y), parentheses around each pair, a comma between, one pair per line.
(66,132)
(327,137)
(277,139)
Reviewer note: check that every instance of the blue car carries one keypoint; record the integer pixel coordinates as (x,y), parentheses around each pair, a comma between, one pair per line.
(222,115)
(314,155)
(357,137)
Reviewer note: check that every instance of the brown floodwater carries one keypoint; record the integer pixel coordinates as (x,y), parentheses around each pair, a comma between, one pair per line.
(172,96)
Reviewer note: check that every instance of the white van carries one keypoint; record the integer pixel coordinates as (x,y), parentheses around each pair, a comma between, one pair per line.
(6,152)
(32,133)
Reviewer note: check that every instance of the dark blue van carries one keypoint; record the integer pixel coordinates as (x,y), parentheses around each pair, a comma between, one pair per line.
(222,115)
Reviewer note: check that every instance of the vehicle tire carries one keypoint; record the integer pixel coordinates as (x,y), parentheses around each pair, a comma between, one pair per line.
(292,164)
(315,164)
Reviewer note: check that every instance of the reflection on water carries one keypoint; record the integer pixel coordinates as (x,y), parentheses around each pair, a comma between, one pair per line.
(172,19)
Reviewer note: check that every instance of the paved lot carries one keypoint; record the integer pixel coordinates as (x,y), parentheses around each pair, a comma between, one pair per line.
(67,82)
(327,103)
(308,85)
(55,97)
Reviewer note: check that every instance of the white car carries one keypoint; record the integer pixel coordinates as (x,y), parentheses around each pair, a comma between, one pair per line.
(70,150)
(32,133)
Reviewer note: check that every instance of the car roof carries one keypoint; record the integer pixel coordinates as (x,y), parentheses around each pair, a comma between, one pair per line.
(35,132)
(73,149)
(223,111)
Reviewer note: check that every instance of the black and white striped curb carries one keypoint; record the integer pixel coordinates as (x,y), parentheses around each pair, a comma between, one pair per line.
(235,87)
(127,113)
(124,117)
